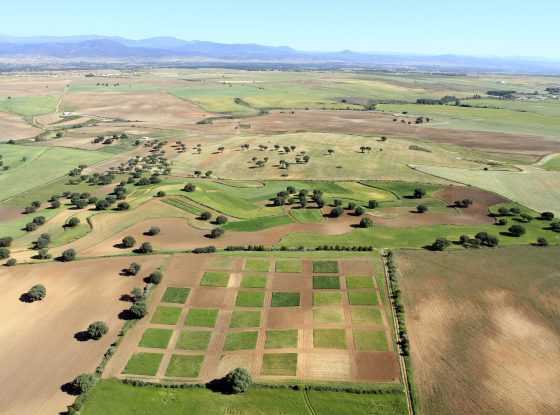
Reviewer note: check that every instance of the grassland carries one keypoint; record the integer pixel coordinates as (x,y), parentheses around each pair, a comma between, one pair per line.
(111,396)
(28,107)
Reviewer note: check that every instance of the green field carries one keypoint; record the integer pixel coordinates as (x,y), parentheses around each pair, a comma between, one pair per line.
(367,340)
(249,299)
(307,215)
(114,397)
(175,295)
(215,279)
(286,265)
(253,281)
(28,107)
(245,340)
(325,267)
(143,364)
(358,297)
(279,364)
(202,317)
(329,338)
(326,298)
(366,315)
(280,299)
(194,340)
(326,282)
(184,366)
(156,338)
(359,282)
(166,315)
(245,319)
(277,339)
(257,265)
(328,315)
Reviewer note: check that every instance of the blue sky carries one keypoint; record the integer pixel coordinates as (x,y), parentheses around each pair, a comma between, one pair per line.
(475,27)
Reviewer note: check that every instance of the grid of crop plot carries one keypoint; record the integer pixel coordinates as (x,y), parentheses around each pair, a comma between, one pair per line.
(279,318)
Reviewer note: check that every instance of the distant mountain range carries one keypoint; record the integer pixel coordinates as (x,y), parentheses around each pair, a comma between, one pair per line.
(168,50)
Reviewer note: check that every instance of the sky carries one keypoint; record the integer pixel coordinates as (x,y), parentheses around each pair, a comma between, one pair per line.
(469,27)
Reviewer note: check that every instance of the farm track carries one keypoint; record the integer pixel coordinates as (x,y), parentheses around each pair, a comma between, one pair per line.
(307,401)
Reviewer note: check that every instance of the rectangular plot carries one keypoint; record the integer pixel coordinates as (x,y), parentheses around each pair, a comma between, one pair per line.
(257,264)
(202,317)
(359,282)
(326,282)
(328,315)
(143,364)
(250,299)
(325,267)
(362,297)
(366,315)
(289,265)
(194,340)
(245,340)
(279,364)
(166,315)
(329,338)
(215,279)
(184,366)
(253,281)
(176,295)
(278,339)
(280,299)
(370,341)
(245,319)
(323,298)
(156,338)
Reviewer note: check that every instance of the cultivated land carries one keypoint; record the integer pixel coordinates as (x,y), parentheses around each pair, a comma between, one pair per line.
(487,323)
(313,174)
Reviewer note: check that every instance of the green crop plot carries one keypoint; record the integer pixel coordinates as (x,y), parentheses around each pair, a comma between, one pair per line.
(245,319)
(176,295)
(329,338)
(281,299)
(245,340)
(359,297)
(326,282)
(307,215)
(156,338)
(215,279)
(202,317)
(249,299)
(322,298)
(328,315)
(279,364)
(194,340)
(166,315)
(257,265)
(326,267)
(29,107)
(184,366)
(288,265)
(359,282)
(257,224)
(368,340)
(251,280)
(366,315)
(280,339)
(143,364)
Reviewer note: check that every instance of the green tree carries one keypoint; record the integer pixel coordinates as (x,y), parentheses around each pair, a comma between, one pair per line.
(421,208)
(516,230)
(128,242)
(97,329)
(238,380)
(36,293)
(68,255)
(440,244)
(138,309)
(366,223)
(83,383)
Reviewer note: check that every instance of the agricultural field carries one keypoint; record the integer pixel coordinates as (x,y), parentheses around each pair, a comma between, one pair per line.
(217,219)
(483,322)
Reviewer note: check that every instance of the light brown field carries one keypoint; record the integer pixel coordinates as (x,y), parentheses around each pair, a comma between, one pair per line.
(14,127)
(39,352)
(484,329)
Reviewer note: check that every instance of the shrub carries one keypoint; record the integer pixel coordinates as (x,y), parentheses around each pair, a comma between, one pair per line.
(138,309)
(68,255)
(36,293)
(221,220)
(189,188)
(547,216)
(216,233)
(336,212)
(421,208)
(123,206)
(43,254)
(419,193)
(128,242)
(204,250)
(73,222)
(238,380)
(153,231)
(97,329)
(6,241)
(30,227)
(39,220)
(502,222)
(351,206)
(542,242)
(516,230)
(83,383)
(372,204)
(55,204)
(155,277)
(134,268)
(161,193)
(146,248)
(11,262)
(366,223)
(359,211)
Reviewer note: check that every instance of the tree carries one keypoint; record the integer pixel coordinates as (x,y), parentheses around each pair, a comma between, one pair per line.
(216,233)
(97,329)
(504,211)
(146,248)
(134,268)
(372,204)
(189,188)
(155,277)
(68,255)
(11,262)
(221,220)
(525,217)
(36,293)
(542,242)
(419,193)
(128,242)
(205,215)
(123,206)
(83,383)
(161,193)
(359,211)
(440,244)
(153,231)
(55,204)
(336,212)
(4,253)
(73,222)
(516,230)
(502,222)
(137,294)
(138,309)
(547,216)
(6,241)
(421,208)
(238,380)
(366,223)
(351,206)
(43,253)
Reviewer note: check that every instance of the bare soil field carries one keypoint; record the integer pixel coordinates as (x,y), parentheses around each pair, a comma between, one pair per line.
(156,109)
(374,123)
(484,329)
(39,353)
(14,127)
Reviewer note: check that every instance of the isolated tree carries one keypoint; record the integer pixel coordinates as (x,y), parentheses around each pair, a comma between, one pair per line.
(205,215)
(516,230)
(73,222)
(421,208)
(221,220)
(440,244)
(138,309)
(123,206)
(6,241)
(146,248)
(128,242)
(55,204)
(504,211)
(216,233)
(366,223)
(547,215)
(238,380)
(153,231)
(134,268)
(359,211)
(83,383)
(36,293)
(11,262)
(502,222)
(161,193)
(525,217)
(189,187)
(419,193)
(137,294)
(68,255)
(542,242)
(351,206)
(155,277)
(336,212)
(97,329)
(4,253)
(372,204)
(43,253)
